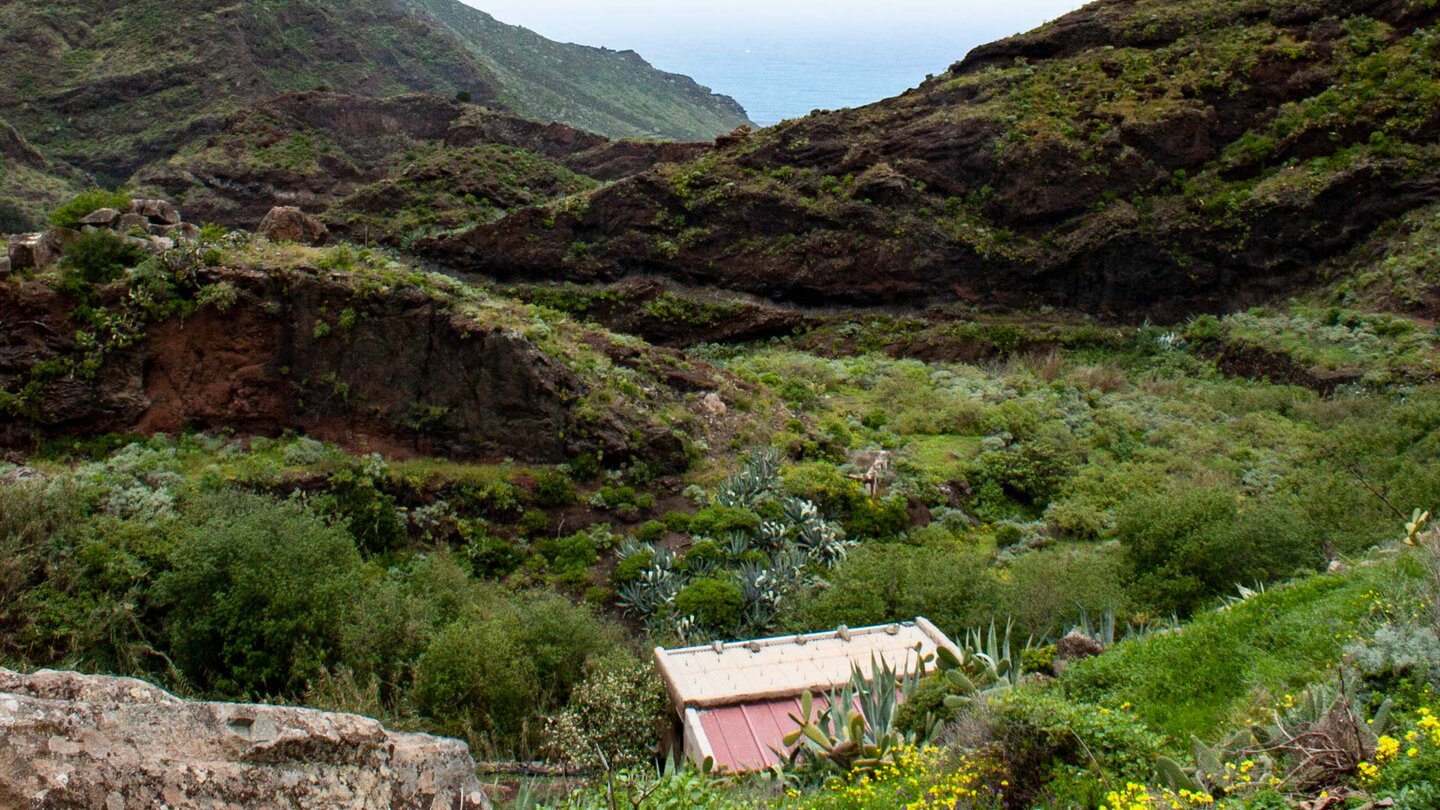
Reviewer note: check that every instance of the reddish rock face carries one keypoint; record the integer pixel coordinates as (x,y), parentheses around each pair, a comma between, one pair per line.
(409,376)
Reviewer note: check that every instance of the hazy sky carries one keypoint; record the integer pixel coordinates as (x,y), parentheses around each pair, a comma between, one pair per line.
(782,58)
(610,22)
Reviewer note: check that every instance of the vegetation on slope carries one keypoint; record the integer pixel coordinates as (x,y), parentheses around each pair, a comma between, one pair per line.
(1149,158)
(131,86)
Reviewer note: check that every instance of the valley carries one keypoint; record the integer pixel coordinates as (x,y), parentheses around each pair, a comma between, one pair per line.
(1111,353)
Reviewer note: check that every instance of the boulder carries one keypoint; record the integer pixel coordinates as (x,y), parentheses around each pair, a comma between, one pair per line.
(30,251)
(184,232)
(90,741)
(158,211)
(4,266)
(132,221)
(57,239)
(160,244)
(286,223)
(101,218)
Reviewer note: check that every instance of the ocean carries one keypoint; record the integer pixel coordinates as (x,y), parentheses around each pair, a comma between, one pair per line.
(787,76)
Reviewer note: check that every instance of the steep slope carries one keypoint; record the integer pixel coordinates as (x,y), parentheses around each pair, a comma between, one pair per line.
(340,344)
(388,169)
(29,184)
(109,86)
(1137,157)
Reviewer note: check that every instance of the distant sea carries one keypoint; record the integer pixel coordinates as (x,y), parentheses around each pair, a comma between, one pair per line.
(788,76)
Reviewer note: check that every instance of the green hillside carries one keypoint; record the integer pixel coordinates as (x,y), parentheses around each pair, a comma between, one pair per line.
(109,87)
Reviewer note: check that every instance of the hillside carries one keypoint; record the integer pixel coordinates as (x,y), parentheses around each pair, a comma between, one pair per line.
(389,170)
(111,86)
(1134,158)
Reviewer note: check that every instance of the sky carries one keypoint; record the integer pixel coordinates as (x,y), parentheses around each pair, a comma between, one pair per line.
(783,58)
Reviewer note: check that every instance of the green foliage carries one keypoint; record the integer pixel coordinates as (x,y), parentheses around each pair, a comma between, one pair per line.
(1188,683)
(489,556)
(487,672)
(86,203)
(13,218)
(574,553)
(357,498)
(1045,737)
(1190,545)
(257,595)
(553,488)
(612,717)
(877,584)
(98,257)
(714,603)
(717,521)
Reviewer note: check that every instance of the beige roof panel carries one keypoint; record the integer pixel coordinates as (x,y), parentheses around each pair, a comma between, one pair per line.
(726,673)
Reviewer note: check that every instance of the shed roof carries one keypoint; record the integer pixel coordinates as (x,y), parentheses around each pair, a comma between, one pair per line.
(723,674)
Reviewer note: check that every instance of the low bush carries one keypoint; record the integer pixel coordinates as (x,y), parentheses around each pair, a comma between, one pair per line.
(713,603)
(98,257)
(86,203)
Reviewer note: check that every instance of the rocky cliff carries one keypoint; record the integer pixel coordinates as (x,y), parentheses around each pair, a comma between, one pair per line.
(261,338)
(91,741)
(1135,158)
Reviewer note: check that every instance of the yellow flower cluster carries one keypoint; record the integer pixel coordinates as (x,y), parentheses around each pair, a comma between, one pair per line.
(1136,796)
(913,779)
(1386,748)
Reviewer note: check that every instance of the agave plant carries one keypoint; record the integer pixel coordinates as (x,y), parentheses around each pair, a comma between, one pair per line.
(856,731)
(985,666)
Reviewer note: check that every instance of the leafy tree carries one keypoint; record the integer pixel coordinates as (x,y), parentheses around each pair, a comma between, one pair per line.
(258,594)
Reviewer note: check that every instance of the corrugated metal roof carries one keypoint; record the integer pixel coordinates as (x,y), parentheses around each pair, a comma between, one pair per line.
(784,666)
(747,736)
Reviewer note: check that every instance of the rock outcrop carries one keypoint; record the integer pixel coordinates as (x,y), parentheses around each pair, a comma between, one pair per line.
(286,223)
(90,742)
(374,364)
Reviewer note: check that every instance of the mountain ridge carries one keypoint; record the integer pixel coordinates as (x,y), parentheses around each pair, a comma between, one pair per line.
(80,92)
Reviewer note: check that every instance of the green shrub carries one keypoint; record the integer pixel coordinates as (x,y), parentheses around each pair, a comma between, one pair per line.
(714,603)
(702,556)
(1192,544)
(883,583)
(613,716)
(884,519)
(86,203)
(632,567)
(489,556)
(652,531)
(484,495)
(1203,329)
(477,681)
(717,521)
(368,510)
(14,219)
(553,488)
(258,594)
(98,257)
(1045,738)
(574,553)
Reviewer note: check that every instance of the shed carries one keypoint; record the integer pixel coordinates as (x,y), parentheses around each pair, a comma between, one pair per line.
(734,700)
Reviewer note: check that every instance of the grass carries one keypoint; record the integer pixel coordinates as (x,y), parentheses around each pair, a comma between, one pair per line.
(1225,666)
